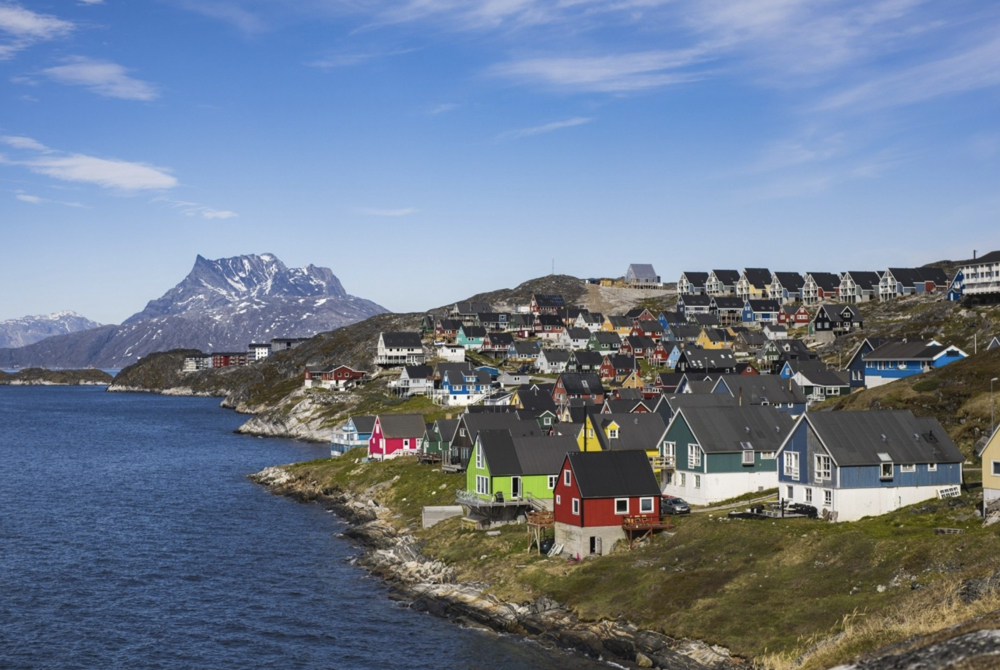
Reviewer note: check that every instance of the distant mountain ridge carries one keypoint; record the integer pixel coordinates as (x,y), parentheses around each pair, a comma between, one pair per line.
(30,329)
(222,305)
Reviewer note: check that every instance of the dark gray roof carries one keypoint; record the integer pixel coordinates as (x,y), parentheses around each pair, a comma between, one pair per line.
(613,474)
(909,350)
(708,360)
(757,389)
(696,300)
(865,279)
(449,324)
(555,355)
(696,278)
(677,401)
(727,277)
(764,305)
(418,371)
(501,339)
(790,281)
(549,300)
(912,276)
(643,271)
(587,383)
(537,400)
(586,357)
(507,421)
(635,431)
(543,455)
(705,319)
(607,338)
(402,340)
(473,331)
(447,428)
(728,302)
(857,438)
(441,367)
(470,308)
(497,447)
(825,280)
(686,332)
(757,276)
(402,425)
(578,333)
(363,423)
(836,313)
(527,348)
(640,341)
(728,429)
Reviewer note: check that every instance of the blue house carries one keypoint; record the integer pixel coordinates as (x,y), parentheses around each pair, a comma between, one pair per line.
(856,366)
(355,432)
(957,287)
(759,312)
(905,358)
(463,387)
(849,465)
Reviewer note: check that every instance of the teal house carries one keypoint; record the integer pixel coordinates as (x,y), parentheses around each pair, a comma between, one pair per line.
(723,452)
(471,337)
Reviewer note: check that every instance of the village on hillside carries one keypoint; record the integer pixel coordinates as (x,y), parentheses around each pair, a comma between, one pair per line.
(600,426)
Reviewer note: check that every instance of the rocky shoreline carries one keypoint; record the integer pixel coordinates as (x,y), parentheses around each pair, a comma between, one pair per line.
(430,586)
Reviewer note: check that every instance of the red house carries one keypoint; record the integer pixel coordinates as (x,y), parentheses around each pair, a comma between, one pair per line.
(789,316)
(594,494)
(395,435)
(618,367)
(224,359)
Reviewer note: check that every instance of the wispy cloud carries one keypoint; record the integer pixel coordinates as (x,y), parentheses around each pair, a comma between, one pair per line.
(231,12)
(105,172)
(974,68)
(24,28)
(101,77)
(545,128)
(351,59)
(37,200)
(196,209)
(442,108)
(372,211)
(613,73)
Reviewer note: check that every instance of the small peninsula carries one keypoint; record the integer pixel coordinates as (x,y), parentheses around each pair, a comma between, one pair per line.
(44,377)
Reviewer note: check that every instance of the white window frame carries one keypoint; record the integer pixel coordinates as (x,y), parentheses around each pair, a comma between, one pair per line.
(697,481)
(790,490)
(576,506)
(619,503)
(482,485)
(768,455)
(479,458)
(669,449)
(694,456)
(752,458)
(791,468)
(827,498)
(406,443)
(932,467)
(907,467)
(553,479)
(558,499)
(646,506)
(885,471)
(809,495)
(823,468)
(567,477)
(682,481)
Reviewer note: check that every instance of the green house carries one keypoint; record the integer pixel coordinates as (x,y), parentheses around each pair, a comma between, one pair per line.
(471,337)
(437,439)
(723,452)
(509,471)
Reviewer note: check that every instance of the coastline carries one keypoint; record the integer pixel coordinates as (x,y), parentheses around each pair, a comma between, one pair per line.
(430,586)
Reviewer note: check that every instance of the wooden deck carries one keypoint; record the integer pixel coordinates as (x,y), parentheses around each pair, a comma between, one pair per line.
(537,522)
(638,528)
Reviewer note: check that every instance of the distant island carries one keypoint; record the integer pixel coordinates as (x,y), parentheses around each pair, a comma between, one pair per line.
(43,377)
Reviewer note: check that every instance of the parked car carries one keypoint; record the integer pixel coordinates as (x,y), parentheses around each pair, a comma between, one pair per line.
(671,505)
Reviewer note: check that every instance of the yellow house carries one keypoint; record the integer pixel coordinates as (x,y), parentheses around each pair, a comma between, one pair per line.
(991,468)
(610,432)
(633,381)
(617,324)
(714,338)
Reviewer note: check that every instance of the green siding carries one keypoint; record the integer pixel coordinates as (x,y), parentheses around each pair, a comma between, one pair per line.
(733,462)
(680,433)
(470,476)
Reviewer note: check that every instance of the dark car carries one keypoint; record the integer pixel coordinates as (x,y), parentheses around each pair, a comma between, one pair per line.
(674,506)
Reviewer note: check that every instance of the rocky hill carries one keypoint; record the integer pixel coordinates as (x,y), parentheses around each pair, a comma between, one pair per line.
(222,305)
(570,288)
(30,329)
(43,377)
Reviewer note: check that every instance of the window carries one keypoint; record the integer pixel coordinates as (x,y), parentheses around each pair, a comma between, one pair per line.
(682,479)
(567,478)
(547,421)
(792,464)
(479,458)
(748,457)
(697,481)
(932,467)
(461,432)
(828,497)
(768,455)
(790,492)
(621,505)
(885,470)
(809,495)
(552,481)
(406,443)
(694,456)
(645,505)
(908,468)
(613,433)
(576,506)
(669,449)
(590,432)
(823,468)
(482,485)
(558,499)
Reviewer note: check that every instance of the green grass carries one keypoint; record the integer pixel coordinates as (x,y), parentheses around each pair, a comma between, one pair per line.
(755,587)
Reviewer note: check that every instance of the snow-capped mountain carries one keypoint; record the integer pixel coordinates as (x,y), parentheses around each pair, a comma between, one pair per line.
(222,305)
(30,329)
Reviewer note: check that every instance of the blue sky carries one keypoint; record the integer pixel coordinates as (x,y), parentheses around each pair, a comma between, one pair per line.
(426,150)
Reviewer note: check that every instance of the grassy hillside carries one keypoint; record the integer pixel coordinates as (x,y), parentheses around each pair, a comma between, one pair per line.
(767,590)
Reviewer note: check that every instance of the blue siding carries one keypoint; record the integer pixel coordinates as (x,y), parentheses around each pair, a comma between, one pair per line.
(798,442)
(949,357)
(867,477)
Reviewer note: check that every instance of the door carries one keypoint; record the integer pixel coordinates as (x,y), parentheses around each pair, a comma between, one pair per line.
(515,488)
(595,545)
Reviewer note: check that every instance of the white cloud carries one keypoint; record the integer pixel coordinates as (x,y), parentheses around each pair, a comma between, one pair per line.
(25,27)
(24,197)
(108,173)
(102,77)
(442,108)
(196,209)
(370,211)
(91,2)
(209,213)
(20,142)
(546,128)
(611,73)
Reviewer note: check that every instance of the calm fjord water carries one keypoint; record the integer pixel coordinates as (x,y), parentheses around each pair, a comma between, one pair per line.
(131,538)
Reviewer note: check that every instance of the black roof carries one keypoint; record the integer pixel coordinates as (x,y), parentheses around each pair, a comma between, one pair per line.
(588,383)
(695,300)
(418,371)
(790,281)
(734,429)
(549,300)
(727,277)
(363,423)
(825,280)
(865,279)
(728,302)
(613,474)
(696,278)
(757,389)
(910,350)
(757,276)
